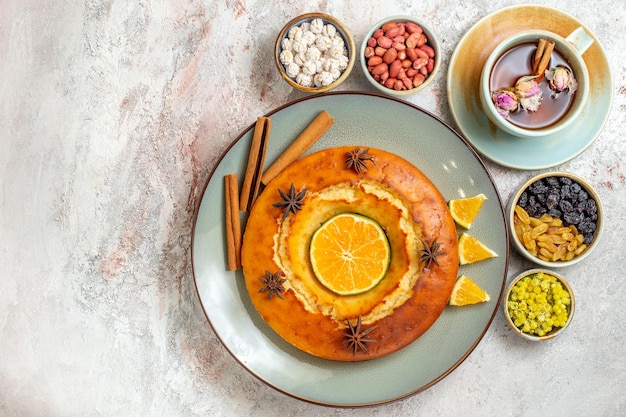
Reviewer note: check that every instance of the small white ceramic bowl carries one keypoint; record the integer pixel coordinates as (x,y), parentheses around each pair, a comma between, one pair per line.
(555,330)
(341,30)
(517,241)
(432,41)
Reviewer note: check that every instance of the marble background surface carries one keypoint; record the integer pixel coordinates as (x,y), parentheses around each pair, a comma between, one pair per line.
(113,115)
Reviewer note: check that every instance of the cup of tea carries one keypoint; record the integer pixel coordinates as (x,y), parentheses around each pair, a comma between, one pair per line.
(535,83)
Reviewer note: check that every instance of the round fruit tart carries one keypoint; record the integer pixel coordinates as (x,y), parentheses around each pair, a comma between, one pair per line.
(350,253)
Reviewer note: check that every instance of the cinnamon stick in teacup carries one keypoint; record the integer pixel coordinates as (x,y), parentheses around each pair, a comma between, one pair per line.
(541,45)
(322,122)
(542,58)
(256,162)
(233,222)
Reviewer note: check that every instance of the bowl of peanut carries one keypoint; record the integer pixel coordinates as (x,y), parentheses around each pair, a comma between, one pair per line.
(314,52)
(539,304)
(555,219)
(400,55)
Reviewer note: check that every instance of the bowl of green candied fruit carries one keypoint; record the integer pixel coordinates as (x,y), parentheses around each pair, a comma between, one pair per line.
(539,304)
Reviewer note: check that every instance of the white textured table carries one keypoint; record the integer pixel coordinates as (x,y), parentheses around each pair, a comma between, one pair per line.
(113,115)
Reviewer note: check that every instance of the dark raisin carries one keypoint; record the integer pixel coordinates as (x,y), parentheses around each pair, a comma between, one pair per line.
(591,207)
(571,218)
(555,213)
(552,200)
(587,226)
(533,211)
(553,181)
(575,187)
(541,198)
(566,192)
(583,226)
(566,206)
(565,180)
(538,187)
(588,238)
(523,199)
(583,196)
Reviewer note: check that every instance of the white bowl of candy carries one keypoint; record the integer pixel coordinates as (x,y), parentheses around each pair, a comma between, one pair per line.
(314,52)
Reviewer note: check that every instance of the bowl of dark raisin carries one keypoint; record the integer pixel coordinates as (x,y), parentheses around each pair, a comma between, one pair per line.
(555,219)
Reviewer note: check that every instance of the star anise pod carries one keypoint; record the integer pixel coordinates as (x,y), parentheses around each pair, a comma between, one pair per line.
(273,284)
(357,338)
(357,158)
(292,202)
(430,253)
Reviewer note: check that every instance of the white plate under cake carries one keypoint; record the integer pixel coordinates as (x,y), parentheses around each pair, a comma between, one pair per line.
(402,306)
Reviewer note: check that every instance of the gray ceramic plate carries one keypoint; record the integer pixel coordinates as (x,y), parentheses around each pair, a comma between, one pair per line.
(463,96)
(361,119)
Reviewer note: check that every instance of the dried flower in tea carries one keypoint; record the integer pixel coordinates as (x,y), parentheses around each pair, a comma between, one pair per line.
(506,102)
(529,92)
(560,78)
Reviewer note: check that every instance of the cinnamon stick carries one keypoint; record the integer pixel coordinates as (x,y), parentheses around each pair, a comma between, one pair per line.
(541,45)
(544,60)
(233,223)
(322,122)
(256,162)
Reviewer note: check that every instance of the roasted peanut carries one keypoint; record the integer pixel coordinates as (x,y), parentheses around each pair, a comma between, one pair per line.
(393,32)
(411,41)
(379,50)
(421,54)
(419,63)
(374,60)
(388,26)
(379,69)
(390,56)
(412,27)
(422,40)
(399,46)
(394,69)
(411,54)
(384,42)
(418,79)
(429,51)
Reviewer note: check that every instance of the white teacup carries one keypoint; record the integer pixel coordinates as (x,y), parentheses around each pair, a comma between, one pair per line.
(571,49)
